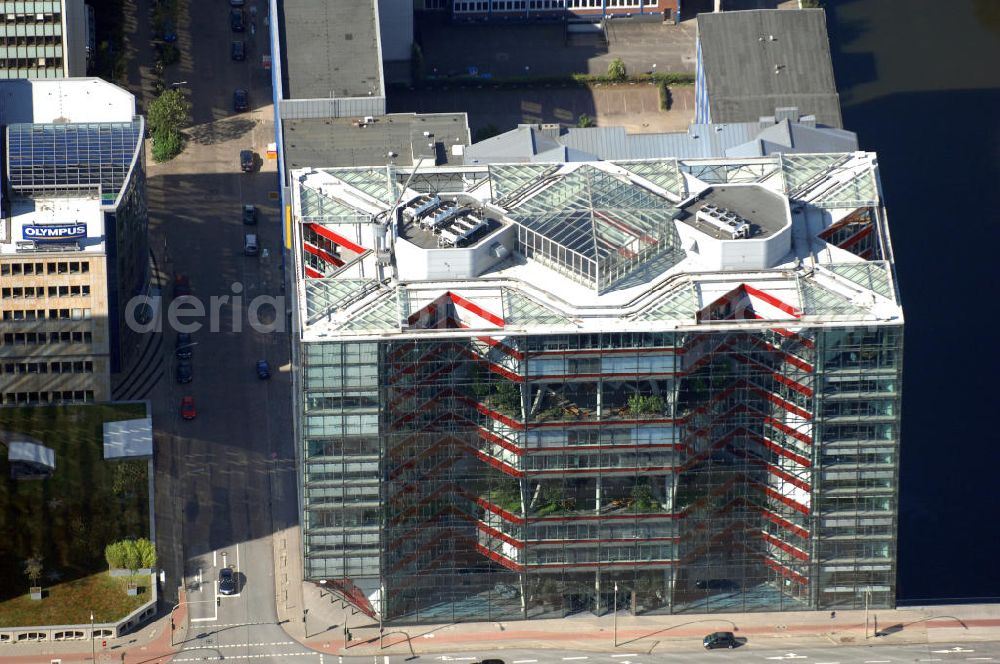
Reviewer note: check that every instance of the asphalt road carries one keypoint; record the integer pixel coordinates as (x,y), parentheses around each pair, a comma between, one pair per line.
(225,480)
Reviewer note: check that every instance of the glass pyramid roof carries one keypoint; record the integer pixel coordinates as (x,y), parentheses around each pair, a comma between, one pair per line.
(820,301)
(326,295)
(381,314)
(662,172)
(519,309)
(677,304)
(595,214)
(800,168)
(873,275)
(372,181)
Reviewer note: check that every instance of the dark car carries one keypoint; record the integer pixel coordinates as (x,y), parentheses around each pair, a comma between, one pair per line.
(249,214)
(239,50)
(185,372)
(263,370)
(184,346)
(236,20)
(241,101)
(246,161)
(227,581)
(169,33)
(720,640)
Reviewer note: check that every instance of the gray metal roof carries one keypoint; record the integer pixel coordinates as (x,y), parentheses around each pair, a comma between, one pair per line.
(737,139)
(330,142)
(742,51)
(331,49)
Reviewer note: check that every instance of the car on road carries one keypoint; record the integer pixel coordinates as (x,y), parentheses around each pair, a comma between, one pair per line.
(492,661)
(227,581)
(182,285)
(249,214)
(185,372)
(241,101)
(188,411)
(247,161)
(720,640)
(237,21)
(184,346)
(263,370)
(239,50)
(250,246)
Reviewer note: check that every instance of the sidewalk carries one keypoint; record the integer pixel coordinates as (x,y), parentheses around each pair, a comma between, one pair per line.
(585,632)
(148,645)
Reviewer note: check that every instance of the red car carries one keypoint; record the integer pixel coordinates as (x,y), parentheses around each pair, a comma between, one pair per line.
(188,411)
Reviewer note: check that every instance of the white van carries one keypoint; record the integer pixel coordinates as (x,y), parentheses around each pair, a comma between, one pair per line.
(250,247)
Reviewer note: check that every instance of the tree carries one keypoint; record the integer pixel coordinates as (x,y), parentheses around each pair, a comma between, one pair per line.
(147,553)
(33,568)
(616,69)
(584,121)
(170,111)
(167,144)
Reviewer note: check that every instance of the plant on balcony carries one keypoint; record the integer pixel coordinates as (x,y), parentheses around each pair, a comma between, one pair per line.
(507,399)
(506,497)
(554,413)
(642,499)
(639,404)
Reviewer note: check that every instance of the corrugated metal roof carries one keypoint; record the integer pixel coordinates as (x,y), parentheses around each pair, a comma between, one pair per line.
(757,61)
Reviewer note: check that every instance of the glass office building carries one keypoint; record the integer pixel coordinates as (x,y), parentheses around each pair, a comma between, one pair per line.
(528,391)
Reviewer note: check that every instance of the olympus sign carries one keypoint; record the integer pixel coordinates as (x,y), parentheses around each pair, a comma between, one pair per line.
(54,232)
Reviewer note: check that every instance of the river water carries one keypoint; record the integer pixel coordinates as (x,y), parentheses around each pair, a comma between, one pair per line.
(920,83)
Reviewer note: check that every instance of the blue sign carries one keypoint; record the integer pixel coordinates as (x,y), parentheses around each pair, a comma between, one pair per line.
(54,232)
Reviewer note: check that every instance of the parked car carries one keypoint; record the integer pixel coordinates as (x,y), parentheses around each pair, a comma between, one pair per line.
(239,50)
(184,347)
(237,21)
(250,246)
(185,372)
(263,370)
(720,640)
(249,214)
(246,161)
(227,581)
(241,101)
(188,411)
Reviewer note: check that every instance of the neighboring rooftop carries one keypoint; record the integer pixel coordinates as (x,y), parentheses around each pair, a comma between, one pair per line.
(64,100)
(332,142)
(787,133)
(59,211)
(756,61)
(331,49)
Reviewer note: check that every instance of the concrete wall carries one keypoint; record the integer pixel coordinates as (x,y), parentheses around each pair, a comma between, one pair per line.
(396,29)
(74,38)
(347,107)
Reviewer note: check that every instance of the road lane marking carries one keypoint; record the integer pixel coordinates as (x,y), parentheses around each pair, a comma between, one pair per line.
(245,645)
(878,661)
(979,658)
(568,659)
(632,655)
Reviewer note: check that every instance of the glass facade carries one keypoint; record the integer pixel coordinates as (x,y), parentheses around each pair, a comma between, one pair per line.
(519,477)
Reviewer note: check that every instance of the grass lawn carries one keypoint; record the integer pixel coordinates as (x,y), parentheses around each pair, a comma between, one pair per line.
(70,602)
(69,518)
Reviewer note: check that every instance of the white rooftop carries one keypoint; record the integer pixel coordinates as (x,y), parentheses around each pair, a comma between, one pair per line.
(128,438)
(64,100)
(358,277)
(30,452)
(48,214)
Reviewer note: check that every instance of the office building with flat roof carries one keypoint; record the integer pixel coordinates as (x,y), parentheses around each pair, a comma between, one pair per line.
(44,39)
(751,64)
(73,246)
(528,390)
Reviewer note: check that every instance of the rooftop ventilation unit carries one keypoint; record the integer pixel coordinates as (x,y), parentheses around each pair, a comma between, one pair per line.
(725,221)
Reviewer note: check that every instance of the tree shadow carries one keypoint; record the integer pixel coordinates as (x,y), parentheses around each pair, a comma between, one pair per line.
(219,132)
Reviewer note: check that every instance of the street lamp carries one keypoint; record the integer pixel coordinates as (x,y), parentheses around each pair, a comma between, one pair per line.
(868,599)
(616,614)
(93,646)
